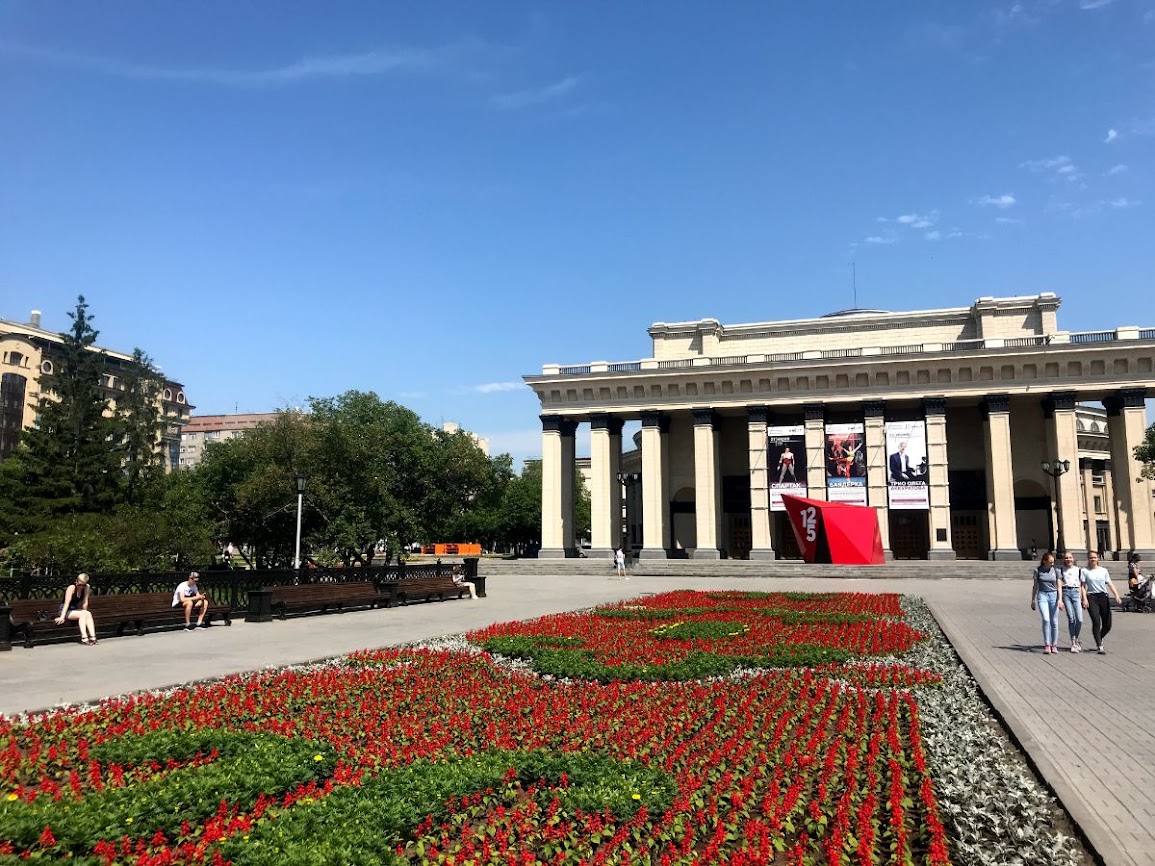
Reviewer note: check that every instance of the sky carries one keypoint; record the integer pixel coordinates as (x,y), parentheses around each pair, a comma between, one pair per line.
(279,200)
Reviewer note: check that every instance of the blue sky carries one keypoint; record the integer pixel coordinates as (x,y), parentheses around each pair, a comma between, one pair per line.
(430,200)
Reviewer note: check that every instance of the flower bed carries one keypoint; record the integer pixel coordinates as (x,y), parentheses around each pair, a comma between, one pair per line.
(449,755)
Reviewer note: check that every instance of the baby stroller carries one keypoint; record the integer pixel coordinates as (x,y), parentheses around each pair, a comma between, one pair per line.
(1139,596)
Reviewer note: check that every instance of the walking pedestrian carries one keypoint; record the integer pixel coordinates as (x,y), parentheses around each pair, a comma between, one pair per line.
(1096,583)
(1071,581)
(1045,596)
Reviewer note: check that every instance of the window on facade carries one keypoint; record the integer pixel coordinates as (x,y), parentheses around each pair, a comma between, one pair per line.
(16,359)
(1097,480)
(12,390)
(46,367)
(1098,504)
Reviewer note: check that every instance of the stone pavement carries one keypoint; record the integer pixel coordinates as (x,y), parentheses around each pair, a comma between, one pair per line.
(1087,722)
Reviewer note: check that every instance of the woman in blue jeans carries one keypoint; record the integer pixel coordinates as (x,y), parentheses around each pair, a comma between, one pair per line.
(1045,596)
(1074,599)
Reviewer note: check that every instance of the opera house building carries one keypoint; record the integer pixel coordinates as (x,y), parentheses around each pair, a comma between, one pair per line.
(974,432)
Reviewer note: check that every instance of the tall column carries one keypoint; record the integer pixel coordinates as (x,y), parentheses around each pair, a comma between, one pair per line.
(605,488)
(1126,425)
(655,500)
(1063,444)
(707,485)
(1091,534)
(761,541)
(874,417)
(815,420)
(1000,478)
(941,545)
(557,502)
(1111,505)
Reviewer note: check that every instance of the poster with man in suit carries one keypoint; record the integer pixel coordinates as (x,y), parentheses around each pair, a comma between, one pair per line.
(907,467)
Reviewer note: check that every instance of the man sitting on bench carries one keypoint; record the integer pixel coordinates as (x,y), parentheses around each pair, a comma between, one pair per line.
(190,595)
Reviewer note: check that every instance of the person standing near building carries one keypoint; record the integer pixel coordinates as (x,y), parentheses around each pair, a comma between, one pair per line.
(1045,596)
(1096,583)
(1071,584)
(620,561)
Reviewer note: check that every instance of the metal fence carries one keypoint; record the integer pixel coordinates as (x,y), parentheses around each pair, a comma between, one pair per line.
(225,587)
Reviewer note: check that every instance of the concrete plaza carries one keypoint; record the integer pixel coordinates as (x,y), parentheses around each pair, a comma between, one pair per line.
(1085,721)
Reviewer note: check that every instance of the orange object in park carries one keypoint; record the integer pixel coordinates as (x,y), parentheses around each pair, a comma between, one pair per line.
(451,549)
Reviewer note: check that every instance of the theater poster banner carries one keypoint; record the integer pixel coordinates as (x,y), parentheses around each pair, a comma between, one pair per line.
(785,463)
(906,465)
(846,463)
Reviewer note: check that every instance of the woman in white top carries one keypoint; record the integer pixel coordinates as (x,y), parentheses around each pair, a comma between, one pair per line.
(1096,583)
(1071,584)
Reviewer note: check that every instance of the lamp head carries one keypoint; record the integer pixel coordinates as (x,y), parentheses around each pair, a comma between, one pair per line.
(300,478)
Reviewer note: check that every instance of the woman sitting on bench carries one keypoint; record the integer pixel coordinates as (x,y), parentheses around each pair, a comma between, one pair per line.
(75,608)
(459,579)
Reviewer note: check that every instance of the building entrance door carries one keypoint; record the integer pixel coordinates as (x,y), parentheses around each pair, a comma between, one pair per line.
(785,543)
(965,534)
(909,534)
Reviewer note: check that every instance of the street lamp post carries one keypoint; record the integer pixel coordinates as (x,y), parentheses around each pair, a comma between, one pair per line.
(1055,468)
(300,478)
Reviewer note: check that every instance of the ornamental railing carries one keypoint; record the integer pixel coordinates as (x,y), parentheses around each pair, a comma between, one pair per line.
(1051,340)
(225,587)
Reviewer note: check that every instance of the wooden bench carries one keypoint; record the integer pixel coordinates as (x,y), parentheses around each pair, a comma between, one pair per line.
(421,588)
(117,610)
(323,597)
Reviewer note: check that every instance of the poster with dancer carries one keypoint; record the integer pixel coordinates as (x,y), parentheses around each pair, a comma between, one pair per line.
(785,463)
(907,467)
(846,463)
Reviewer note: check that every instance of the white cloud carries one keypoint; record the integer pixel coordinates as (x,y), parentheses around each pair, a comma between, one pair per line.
(1094,4)
(1057,166)
(498,387)
(1112,134)
(918,221)
(933,236)
(537,95)
(377,62)
(880,239)
(1002,202)
(1124,203)
(1006,220)
(1117,169)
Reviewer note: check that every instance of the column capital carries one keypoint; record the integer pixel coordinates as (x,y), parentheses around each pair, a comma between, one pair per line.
(558,424)
(814,411)
(606,421)
(1125,398)
(996,404)
(704,417)
(874,408)
(1063,401)
(933,406)
(654,418)
(758,415)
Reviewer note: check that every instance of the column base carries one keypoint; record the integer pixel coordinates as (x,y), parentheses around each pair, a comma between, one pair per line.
(653,553)
(1005,555)
(947,553)
(888,554)
(600,553)
(764,554)
(557,553)
(705,553)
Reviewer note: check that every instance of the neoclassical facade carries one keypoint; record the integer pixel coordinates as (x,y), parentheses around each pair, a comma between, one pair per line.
(940,420)
(28,352)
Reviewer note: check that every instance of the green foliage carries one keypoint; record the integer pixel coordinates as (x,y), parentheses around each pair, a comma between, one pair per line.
(138,425)
(1145,452)
(699,630)
(367,824)
(249,765)
(576,663)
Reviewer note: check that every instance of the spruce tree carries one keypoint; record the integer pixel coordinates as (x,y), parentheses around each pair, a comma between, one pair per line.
(138,425)
(69,457)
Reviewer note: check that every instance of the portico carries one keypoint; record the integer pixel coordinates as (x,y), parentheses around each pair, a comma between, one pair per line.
(733,415)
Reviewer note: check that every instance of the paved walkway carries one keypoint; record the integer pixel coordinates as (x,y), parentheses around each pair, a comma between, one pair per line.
(1105,704)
